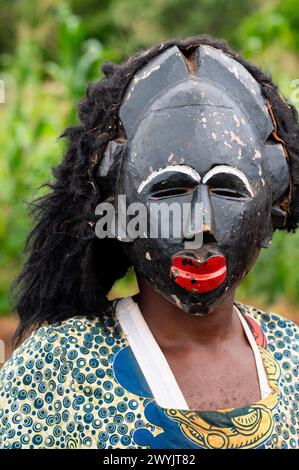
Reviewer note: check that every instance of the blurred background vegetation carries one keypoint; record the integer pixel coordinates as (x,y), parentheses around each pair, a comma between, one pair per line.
(51,49)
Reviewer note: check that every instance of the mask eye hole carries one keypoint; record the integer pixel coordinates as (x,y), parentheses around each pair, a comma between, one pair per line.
(228,186)
(228,193)
(170,192)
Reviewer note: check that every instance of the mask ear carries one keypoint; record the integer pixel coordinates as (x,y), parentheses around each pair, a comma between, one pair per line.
(279,217)
(109,169)
(107,177)
(265,235)
(102,252)
(280,181)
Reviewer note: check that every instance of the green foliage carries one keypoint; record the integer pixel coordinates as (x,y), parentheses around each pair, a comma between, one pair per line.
(127,25)
(78,59)
(276,273)
(40,103)
(274,22)
(50,50)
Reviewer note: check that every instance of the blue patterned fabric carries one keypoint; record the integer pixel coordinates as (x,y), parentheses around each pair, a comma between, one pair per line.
(77,385)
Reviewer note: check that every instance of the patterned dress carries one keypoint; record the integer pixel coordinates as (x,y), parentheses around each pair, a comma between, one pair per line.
(77,384)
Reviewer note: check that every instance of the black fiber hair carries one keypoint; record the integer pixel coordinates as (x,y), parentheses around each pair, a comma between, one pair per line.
(69,271)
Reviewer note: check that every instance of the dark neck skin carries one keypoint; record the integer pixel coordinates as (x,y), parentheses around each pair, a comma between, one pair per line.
(173,327)
(210,356)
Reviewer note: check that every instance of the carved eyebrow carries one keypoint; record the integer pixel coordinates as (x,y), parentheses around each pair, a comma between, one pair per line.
(187,170)
(231,171)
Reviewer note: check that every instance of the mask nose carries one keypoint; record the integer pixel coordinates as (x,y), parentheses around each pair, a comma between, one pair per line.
(200,216)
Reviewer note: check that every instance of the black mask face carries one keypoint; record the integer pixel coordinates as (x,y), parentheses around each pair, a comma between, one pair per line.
(198,132)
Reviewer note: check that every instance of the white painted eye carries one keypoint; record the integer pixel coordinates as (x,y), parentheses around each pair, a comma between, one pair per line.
(185,169)
(229,170)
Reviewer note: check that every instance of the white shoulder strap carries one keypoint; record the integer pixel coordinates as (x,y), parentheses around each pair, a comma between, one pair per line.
(149,356)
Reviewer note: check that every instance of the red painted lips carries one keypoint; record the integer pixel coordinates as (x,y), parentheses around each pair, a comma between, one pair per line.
(198,276)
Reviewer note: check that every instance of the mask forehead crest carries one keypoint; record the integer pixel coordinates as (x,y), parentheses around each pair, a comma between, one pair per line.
(163,71)
(215,65)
